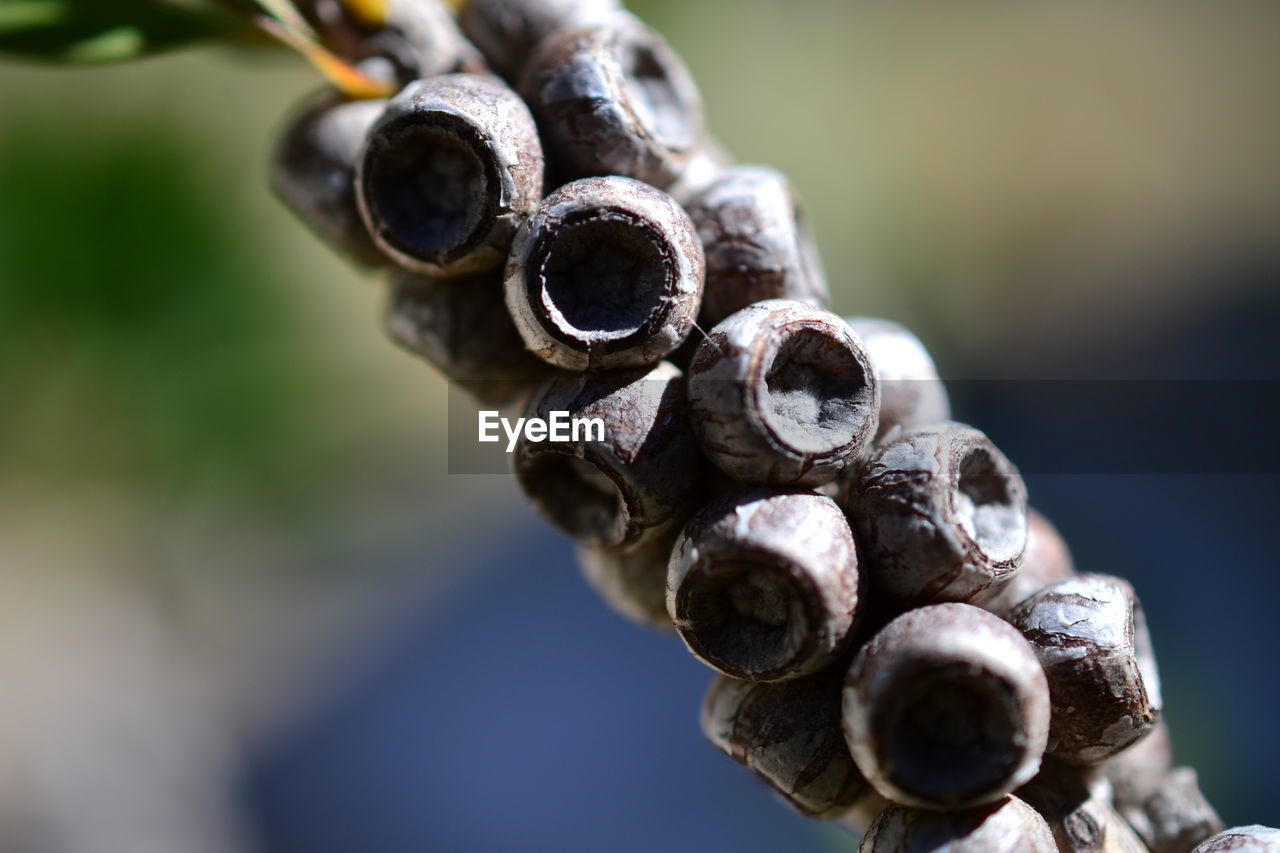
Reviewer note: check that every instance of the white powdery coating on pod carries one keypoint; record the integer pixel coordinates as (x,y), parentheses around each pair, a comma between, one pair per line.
(1008,827)
(783,394)
(946,708)
(607,273)
(763,585)
(450,170)
(1091,637)
(911,394)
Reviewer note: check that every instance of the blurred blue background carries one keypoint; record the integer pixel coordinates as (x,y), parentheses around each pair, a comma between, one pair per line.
(245,609)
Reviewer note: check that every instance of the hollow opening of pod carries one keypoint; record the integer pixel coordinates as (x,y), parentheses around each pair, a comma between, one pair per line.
(818,394)
(577,496)
(750,615)
(985,506)
(658,92)
(605,275)
(431,186)
(950,734)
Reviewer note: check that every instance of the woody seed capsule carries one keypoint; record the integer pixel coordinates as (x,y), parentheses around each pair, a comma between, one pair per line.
(1046,560)
(634,486)
(788,734)
(421,40)
(1137,772)
(633,583)
(451,168)
(613,99)
(1243,839)
(606,274)
(763,585)
(942,514)
(783,393)
(1010,826)
(946,708)
(1091,637)
(1081,821)
(756,242)
(1176,816)
(911,394)
(702,168)
(313,171)
(461,326)
(508,31)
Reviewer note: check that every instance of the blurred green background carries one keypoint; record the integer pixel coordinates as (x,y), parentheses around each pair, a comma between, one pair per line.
(212,462)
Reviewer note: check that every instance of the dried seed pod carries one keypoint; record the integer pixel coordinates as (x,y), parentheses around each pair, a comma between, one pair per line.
(629,488)
(313,171)
(607,274)
(1243,839)
(942,514)
(911,394)
(783,393)
(508,31)
(1091,637)
(864,812)
(946,707)
(1046,560)
(614,99)
(1081,821)
(1137,772)
(451,168)
(756,242)
(633,583)
(788,734)
(1010,826)
(706,164)
(763,585)
(462,327)
(1176,817)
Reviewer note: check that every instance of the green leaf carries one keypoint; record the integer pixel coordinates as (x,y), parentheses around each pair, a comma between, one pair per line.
(83,31)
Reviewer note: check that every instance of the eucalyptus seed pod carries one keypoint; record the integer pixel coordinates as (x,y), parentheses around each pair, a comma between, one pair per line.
(1046,560)
(313,171)
(1009,826)
(1090,635)
(788,734)
(1243,839)
(1081,821)
(783,394)
(757,243)
(451,168)
(462,327)
(1137,772)
(633,583)
(864,812)
(911,394)
(1176,817)
(629,487)
(946,708)
(614,99)
(421,39)
(509,31)
(763,585)
(703,167)
(942,514)
(606,274)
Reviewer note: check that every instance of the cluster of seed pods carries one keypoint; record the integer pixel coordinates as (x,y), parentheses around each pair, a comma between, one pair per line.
(901,643)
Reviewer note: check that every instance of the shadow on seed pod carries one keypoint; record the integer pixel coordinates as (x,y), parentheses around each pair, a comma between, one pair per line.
(508,32)
(1081,820)
(1046,560)
(1010,826)
(946,708)
(614,99)
(706,164)
(1137,771)
(763,585)
(911,394)
(450,170)
(783,394)
(788,734)
(462,327)
(1090,635)
(942,514)
(1176,816)
(1243,839)
(633,583)
(756,242)
(313,171)
(631,486)
(606,274)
